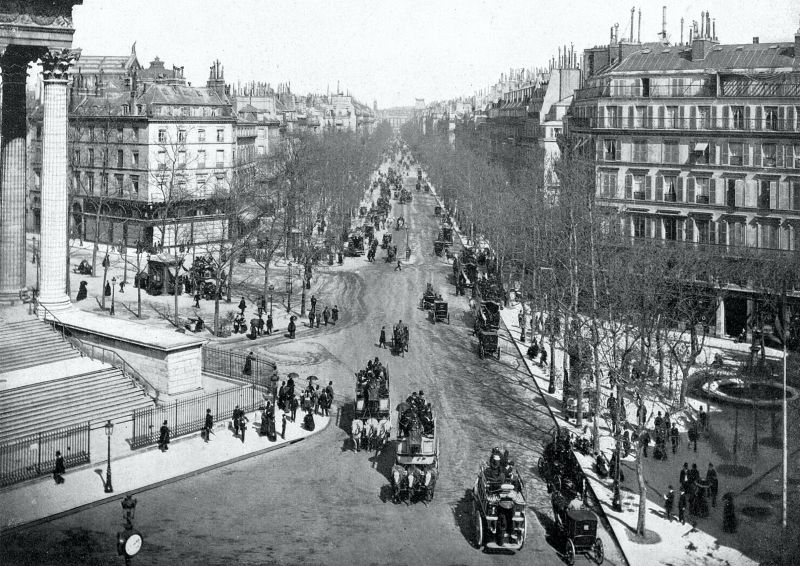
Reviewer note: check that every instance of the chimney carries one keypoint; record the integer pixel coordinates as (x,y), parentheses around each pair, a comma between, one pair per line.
(702,24)
(708,25)
(639,31)
(797,44)
(714,28)
(681,31)
(702,42)
(633,11)
(755,40)
(663,24)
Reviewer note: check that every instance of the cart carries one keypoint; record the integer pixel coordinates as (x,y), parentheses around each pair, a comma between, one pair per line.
(488,343)
(440,312)
(498,511)
(578,530)
(416,467)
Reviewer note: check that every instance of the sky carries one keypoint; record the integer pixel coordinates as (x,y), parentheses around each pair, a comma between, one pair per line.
(392,51)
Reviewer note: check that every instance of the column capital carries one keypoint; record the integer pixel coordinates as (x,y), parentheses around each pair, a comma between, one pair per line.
(56,63)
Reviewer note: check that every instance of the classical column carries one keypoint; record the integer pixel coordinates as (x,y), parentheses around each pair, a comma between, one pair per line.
(55,65)
(12,181)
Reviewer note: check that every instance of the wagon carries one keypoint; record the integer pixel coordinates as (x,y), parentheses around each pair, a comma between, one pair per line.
(488,343)
(416,467)
(498,511)
(440,312)
(578,530)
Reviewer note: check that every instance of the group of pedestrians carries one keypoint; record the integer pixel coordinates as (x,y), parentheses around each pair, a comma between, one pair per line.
(325,315)
(694,493)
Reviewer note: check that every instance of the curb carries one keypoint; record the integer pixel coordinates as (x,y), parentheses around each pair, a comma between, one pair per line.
(36,522)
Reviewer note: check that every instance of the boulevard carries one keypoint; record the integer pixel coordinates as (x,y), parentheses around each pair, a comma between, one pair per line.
(318,502)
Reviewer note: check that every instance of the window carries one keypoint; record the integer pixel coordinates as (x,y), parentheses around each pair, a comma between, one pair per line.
(670,189)
(671,151)
(120,158)
(797,156)
(639,227)
(76,156)
(614,116)
(794,195)
(104,182)
(767,236)
(135,158)
(703,231)
(608,184)
(201,180)
(638,187)
(737,117)
(646,87)
(201,135)
(220,135)
(181,135)
(701,190)
(118,181)
(764,195)
(91,157)
(261,132)
(768,153)
(139,108)
(736,152)
(640,150)
(671,120)
(704,117)
(182,158)
(120,133)
(261,150)
(641,112)
(162,159)
(610,150)
(771,118)
(220,157)
(670,229)
(702,153)
(135,184)
(201,158)
(162,136)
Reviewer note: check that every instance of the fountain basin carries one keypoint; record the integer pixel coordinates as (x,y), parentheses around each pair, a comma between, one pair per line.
(736,391)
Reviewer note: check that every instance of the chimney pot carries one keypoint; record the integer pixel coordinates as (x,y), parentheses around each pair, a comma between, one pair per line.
(755,40)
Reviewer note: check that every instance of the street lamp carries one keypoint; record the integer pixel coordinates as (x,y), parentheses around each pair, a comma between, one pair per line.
(289,291)
(271,288)
(303,279)
(113,290)
(109,427)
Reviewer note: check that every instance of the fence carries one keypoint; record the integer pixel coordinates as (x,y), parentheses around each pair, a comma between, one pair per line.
(229,364)
(186,416)
(35,455)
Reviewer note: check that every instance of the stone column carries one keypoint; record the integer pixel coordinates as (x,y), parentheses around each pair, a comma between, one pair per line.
(12,181)
(55,215)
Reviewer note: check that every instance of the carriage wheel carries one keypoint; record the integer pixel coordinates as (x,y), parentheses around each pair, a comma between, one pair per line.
(569,554)
(477,527)
(523,534)
(599,555)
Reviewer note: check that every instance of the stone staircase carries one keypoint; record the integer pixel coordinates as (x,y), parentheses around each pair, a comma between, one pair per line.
(95,396)
(28,343)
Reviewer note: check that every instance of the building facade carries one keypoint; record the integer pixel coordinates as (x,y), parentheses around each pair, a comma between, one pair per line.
(698,143)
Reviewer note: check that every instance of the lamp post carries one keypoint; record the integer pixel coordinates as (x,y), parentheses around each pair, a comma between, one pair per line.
(271,288)
(109,427)
(113,291)
(289,291)
(302,275)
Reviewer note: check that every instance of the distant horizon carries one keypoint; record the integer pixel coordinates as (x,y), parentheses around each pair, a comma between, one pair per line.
(392,53)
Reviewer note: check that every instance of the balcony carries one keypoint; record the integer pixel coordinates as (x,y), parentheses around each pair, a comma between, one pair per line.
(676,124)
(670,197)
(769,162)
(735,160)
(638,195)
(648,91)
(701,199)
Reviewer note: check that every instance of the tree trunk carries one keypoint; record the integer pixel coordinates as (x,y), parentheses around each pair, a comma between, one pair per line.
(138,284)
(755,428)
(684,383)
(230,278)
(265,288)
(640,521)
(96,243)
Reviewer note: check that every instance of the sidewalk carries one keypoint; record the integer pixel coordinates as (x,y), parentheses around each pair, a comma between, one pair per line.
(41,499)
(670,541)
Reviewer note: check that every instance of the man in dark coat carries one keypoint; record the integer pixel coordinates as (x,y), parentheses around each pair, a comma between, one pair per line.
(237,419)
(282,395)
(60,468)
(713,484)
(292,328)
(242,305)
(313,303)
(669,501)
(382,339)
(295,404)
(108,289)
(208,425)
(163,437)
(335,314)
(82,292)
(682,507)
(248,364)
(269,324)
(326,315)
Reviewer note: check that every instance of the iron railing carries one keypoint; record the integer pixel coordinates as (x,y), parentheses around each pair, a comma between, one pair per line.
(99,353)
(35,455)
(186,416)
(230,365)
(714,123)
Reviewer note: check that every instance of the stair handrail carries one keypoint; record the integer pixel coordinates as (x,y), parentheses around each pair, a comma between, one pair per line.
(117,361)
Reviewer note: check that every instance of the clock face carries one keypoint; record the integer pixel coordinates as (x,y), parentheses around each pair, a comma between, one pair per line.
(133,544)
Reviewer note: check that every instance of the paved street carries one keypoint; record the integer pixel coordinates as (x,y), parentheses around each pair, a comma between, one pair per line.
(318,502)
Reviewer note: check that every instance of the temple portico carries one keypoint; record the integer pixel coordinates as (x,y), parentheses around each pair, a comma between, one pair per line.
(30,31)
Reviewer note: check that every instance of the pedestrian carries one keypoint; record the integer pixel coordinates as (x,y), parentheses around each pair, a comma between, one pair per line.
(692,433)
(728,514)
(313,303)
(626,442)
(122,286)
(382,339)
(329,392)
(248,364)
(326,315)
(163,437)
(243,420)
(108,289)
(208,425)
(658,422)
(641,412)
(295,404)
(319,318)
(60,468)
(263,306)
(543,357)
(311,316)
(269,324)
(237,419)
(644,438)
(703,418)
(283,426)
(242,305)
(197,298)
(675,437)
(292,327)
(713,483)
(335,314)
(669,500)
(683,478)
(682,507)
(82,292)
(533,349)
(398,267)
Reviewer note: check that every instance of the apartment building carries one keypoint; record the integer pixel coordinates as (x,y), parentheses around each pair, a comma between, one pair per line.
(698,143)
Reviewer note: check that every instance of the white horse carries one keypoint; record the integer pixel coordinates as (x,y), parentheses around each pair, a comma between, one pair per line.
(357,433)
(371,432)
(399,475)
(384,431)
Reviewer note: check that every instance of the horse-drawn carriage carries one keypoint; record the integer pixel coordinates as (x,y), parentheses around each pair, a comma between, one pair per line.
(498,510)
(416,467)
(387,239)
(355,244)
(488,343)
(391,253)
(577,529)
(371,428)
(429,297)
(439,312)
(486,315)
(399,339)
(558,465)
(440,247)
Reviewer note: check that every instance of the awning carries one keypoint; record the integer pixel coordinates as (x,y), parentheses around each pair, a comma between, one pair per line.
(729,175)
(700,147)
(733,217)
(701,215)
(702,174)
(668,212)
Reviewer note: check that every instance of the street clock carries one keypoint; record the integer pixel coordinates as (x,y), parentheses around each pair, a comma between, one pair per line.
(129,543)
